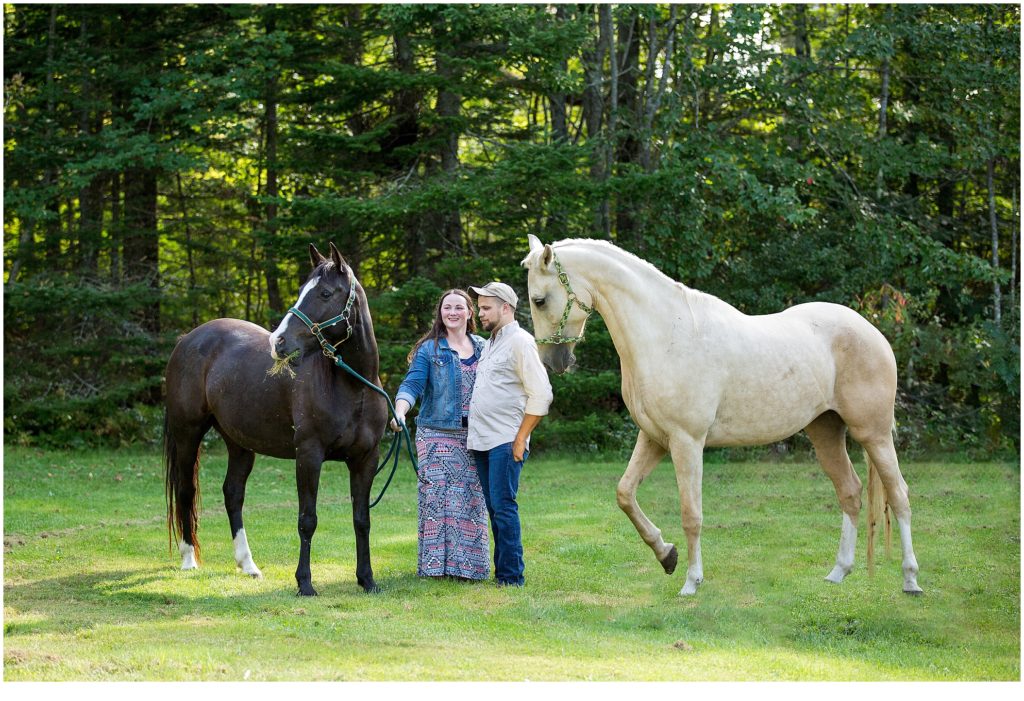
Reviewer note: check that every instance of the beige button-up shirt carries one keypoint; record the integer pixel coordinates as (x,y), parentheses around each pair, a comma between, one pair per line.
(510,382)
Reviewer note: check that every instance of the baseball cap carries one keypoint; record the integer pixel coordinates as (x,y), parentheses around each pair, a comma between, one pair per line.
(499,290)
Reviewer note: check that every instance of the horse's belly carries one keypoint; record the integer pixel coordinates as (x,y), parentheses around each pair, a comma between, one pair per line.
(769,409)
(256,415)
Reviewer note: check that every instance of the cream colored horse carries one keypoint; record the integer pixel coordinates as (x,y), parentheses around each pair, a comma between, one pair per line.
(698,373)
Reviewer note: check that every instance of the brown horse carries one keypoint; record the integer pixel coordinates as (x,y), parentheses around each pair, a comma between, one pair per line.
(219,376)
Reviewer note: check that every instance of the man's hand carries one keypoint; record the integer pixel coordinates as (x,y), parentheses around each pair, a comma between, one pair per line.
(518,449)
(530,422)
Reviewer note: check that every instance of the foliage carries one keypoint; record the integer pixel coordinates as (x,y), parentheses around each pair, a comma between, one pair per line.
(175,161)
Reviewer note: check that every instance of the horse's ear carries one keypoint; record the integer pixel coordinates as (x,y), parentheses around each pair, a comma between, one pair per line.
(339,262)
(547,256)
(534,242)
(314,256)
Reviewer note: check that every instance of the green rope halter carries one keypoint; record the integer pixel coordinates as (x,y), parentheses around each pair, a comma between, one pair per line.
(558,336)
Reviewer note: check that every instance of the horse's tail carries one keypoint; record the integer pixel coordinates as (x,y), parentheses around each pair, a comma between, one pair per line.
(878,512)
(175,476)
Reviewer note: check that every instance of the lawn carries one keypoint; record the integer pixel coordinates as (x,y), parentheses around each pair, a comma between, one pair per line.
(91,591)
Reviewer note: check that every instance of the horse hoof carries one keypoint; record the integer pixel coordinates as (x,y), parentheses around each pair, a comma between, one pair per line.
(372,589)
(913,591)
(837,575)
(306,591)
(671,560)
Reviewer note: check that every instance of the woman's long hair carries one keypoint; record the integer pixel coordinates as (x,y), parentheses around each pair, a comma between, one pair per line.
(438,330)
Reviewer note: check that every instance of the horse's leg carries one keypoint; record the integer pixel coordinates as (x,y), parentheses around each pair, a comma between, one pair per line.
(361,473)
(828,434)
(646,455)
(688,458)
(882,453)
(240,462)
(308,462)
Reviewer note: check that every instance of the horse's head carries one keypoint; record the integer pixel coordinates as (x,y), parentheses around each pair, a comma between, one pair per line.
(322,314)
(559,314)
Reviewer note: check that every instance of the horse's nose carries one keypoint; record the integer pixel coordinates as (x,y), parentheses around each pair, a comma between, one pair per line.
(276,347)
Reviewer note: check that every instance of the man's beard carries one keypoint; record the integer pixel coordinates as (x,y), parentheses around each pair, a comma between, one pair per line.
(486,324)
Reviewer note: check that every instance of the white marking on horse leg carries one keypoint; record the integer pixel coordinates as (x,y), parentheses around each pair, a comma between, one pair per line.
(243,556)
(910,585)
(188,556)
(284,322)
(847,546)
(694,573)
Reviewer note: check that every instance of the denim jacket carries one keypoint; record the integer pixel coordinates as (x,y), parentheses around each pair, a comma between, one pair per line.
(437,378)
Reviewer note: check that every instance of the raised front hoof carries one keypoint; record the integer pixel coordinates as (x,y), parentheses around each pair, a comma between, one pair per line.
(671,560)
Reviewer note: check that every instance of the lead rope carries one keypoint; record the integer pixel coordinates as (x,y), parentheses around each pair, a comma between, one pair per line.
(397,441)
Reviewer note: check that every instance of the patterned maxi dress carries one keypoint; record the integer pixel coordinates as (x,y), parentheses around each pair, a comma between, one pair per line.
(452,511)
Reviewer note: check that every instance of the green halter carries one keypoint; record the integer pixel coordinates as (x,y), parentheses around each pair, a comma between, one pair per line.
(316,328)
(558,337)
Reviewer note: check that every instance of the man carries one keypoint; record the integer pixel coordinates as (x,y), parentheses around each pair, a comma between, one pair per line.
(511,394)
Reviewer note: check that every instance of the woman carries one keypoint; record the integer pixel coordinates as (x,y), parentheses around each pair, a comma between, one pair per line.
(452,512)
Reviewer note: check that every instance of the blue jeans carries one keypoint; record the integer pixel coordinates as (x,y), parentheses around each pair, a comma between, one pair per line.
(499,477)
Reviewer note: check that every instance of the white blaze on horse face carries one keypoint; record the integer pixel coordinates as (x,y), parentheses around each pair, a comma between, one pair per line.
(243,556)
(284,322)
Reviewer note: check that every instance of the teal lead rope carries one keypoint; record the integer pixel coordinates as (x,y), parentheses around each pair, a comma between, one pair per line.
(400,438)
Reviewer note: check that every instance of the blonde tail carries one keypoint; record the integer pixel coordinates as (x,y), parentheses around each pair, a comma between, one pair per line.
(878,512)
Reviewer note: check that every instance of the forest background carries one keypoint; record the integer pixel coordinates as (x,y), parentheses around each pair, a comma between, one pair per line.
(169,164)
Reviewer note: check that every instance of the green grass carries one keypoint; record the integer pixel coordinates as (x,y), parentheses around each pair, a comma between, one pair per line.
(91,591)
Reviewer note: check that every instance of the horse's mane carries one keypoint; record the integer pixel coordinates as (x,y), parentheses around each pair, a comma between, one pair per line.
(690,294)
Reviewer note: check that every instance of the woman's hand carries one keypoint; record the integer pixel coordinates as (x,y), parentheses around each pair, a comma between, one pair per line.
(398,423)
(401,409)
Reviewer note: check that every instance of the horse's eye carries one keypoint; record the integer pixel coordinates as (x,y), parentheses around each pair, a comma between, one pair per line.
(539,302)
(325,293)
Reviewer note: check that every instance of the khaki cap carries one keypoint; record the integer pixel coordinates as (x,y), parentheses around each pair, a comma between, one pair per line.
(499,290)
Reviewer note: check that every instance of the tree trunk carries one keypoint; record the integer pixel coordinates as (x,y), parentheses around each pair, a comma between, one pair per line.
(448,108)
(556,100)
(141,239)
(185,219)
(270,271)
(115,231)
(883,107)
(997,295)
(90,197)
(404,110)
(593,116)
(1013,250)
(626,139)
(52,231)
